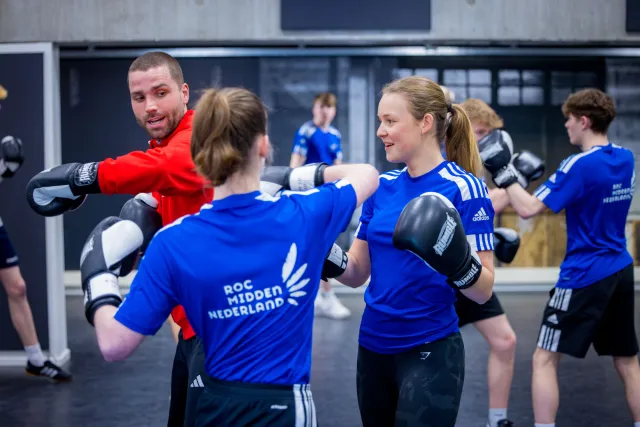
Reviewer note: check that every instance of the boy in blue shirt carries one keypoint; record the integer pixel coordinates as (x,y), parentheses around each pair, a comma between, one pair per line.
(593,300)
(317,141)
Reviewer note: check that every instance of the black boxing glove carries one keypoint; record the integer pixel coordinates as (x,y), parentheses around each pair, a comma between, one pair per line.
(111,243)
(11,156)
(278,178)
(142,209)
(506,243)
(63,188)
(529,166)
(430,227)
(335,263)
(496,157)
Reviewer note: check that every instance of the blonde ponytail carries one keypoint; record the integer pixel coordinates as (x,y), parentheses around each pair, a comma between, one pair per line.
(460,142)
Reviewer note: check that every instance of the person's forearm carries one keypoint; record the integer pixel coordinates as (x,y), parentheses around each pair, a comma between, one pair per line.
(337,172)
(296,161)
(103,322)
(169,171)
(356,273)
(363,177)
(114,341)
(175,329)
(499,199)
(525,204)
(482,290)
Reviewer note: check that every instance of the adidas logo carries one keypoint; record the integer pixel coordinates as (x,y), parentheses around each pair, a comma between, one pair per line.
(553,319)
(481,215)
(48,372)
(197,382)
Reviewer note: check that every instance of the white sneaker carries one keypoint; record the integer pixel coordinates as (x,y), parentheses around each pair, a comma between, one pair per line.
(328,305)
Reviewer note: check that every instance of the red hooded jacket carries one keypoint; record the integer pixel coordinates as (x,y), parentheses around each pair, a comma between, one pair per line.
(167,171)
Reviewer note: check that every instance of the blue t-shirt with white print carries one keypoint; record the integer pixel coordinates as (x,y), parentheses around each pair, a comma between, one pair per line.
(318,145)
(407,302)
(595,189)
(246,269)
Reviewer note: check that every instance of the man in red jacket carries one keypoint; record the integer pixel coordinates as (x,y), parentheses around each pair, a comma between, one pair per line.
(159,98)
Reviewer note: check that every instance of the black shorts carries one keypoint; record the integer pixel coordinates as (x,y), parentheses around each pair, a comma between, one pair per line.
(601,314)
(8,256)
(232,404)
(196,383)
(470,311)
(188,363)
(420,387)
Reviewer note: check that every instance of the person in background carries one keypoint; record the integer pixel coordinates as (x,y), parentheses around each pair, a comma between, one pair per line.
(593,301)
(317,141)
(11,159)
(489,318)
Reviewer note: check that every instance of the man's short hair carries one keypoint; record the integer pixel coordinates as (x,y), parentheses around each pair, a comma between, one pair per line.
(325,98)
(595,105)
(158,59)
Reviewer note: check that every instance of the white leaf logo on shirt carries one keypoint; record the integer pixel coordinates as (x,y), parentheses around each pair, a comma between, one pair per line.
(287,268)
(293,282)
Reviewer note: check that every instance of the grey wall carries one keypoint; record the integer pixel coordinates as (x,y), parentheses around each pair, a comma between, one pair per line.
(246,21)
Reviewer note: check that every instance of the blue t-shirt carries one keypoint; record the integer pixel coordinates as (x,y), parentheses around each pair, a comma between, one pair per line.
(246,270)
(595,188)
(318,145)
(407,302)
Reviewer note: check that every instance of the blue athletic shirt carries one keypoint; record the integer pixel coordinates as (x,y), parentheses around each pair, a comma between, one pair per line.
(595,189)
(407,302)
(318,145)
(246,269)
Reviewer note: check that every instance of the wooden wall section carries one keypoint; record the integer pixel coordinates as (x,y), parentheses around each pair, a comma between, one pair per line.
(543,238)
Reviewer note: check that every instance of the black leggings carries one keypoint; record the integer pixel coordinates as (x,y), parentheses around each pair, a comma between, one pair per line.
(420,387)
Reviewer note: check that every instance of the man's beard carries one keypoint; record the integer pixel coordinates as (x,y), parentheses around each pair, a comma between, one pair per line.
(172,120)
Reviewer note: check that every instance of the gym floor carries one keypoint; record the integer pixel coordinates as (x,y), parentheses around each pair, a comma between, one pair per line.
(136,392)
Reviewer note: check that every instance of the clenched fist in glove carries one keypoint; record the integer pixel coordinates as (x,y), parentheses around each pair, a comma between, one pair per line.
(11,156)
(529,166)
(335,263)
(277,178)
(111,244)
(430,227)
(142,211)
(63,188)
(496,157)
(506,243)
(506,169)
